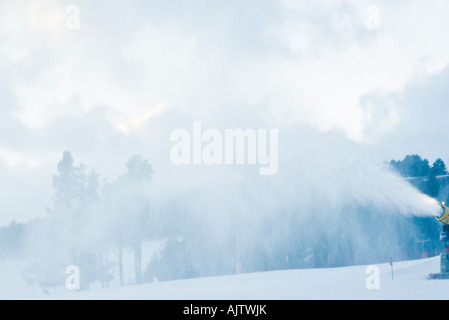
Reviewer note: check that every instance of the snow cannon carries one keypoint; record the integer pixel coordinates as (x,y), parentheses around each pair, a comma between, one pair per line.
(444,219)
(444,236)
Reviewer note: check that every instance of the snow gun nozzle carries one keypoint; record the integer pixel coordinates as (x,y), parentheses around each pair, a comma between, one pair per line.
(445,216)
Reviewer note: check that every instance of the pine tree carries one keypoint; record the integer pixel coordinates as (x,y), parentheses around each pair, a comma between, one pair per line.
(439,168)
(136,180)
(129,202)
(71,220)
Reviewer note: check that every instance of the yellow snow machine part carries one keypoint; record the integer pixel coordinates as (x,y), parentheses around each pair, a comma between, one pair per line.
(445,217)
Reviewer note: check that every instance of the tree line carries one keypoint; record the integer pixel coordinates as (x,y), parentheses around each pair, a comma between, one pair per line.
(89,225)
(93,222)
(429,179)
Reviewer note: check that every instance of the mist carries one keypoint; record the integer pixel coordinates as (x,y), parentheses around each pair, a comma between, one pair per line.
(85,151)
(329,204)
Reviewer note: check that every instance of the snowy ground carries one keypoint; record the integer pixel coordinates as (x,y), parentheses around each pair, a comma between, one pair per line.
(334,283)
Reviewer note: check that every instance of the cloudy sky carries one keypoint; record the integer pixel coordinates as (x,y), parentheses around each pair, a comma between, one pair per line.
(109,79)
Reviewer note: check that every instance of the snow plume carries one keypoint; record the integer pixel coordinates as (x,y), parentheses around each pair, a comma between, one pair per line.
(331,203)
(315,169)
(332,199)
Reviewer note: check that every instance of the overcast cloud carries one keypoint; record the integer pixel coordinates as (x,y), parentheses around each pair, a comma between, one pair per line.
(136,70)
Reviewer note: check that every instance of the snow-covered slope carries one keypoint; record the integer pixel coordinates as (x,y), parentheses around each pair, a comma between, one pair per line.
(334,283)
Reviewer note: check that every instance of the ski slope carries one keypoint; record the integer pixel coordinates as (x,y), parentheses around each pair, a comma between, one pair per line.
(333,283)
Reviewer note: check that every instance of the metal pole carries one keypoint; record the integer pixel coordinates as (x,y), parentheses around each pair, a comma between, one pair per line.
(392,271)
(238,267)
